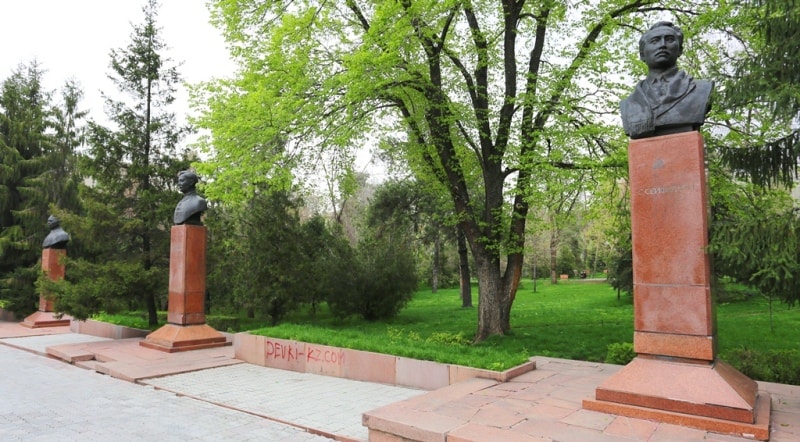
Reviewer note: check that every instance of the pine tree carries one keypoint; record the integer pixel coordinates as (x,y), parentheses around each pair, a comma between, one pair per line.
(68,127)
(134,163)
(767,75)
(25,156)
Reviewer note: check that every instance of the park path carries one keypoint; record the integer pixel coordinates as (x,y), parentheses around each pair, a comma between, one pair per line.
(47,400)
(209,395)
(189,396)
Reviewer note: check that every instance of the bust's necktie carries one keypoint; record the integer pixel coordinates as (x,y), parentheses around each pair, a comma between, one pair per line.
(661,87)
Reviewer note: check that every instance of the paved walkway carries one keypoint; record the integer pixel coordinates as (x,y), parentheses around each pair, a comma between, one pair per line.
(209,395)
(47,400)
(293,406)
(545,405)
(327,404)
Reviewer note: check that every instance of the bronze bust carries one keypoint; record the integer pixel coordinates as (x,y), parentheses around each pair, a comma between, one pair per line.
(57,238)
(191,207)
(668,100)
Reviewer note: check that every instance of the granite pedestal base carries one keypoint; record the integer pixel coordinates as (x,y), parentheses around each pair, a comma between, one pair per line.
(186,329)
(173,338)
(46,317)
(677,376)
(709,396)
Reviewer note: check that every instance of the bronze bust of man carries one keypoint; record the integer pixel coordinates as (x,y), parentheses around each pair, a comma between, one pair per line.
(668,100)
(57,238)
(191,207)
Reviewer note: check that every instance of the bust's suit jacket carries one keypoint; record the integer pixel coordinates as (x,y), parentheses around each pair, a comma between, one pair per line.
(191,205)
(684,103)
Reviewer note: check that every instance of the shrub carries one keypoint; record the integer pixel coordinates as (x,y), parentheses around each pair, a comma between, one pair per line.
(223,323)
(382,280)
(620,353)
(109,287)
(781,366)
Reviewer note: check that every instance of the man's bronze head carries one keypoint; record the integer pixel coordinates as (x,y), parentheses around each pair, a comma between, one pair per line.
(53,222)
(187,180)
(661,45)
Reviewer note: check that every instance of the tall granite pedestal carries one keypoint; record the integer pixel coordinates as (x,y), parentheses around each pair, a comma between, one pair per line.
(677,376)
(46,317)
(186,327)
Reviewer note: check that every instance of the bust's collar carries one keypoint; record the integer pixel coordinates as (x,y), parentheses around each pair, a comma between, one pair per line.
(667,75)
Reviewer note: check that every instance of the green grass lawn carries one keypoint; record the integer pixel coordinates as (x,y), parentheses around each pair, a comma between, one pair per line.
(573,319)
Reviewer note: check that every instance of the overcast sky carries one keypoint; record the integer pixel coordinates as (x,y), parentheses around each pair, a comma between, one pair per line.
(73,39)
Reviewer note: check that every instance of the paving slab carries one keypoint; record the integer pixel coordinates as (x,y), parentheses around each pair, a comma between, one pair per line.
(47,400)
(277,405)
(546,404)
(127,360)
(320,404)
(39,344)
(16,330)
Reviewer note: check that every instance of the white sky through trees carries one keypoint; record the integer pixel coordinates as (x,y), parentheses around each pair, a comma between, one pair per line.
(73,39)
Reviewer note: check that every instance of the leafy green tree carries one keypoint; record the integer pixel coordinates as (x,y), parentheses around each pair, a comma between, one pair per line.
(424,214)
(621,269)
(26,160)
(562,192)
(618,231)
(480,89)
(133,163)
(392,156)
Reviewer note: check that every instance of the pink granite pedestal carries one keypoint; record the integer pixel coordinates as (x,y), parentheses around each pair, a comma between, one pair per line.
(46,316)
(186,327)
(677,376)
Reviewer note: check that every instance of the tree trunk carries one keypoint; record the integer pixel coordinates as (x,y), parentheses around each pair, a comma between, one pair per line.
(554,256)
(490,299)
(152,312)
(437,245)
(150,297)
(496,289)
(463,269)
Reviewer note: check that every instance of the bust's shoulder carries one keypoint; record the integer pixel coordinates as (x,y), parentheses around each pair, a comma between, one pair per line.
(193,198)
(637,95)
(56,236)
(704,86)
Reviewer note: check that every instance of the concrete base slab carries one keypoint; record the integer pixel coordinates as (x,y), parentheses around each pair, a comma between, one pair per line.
(174,338)
(46,319)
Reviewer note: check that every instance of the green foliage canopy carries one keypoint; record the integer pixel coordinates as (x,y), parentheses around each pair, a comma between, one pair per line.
(480,91)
